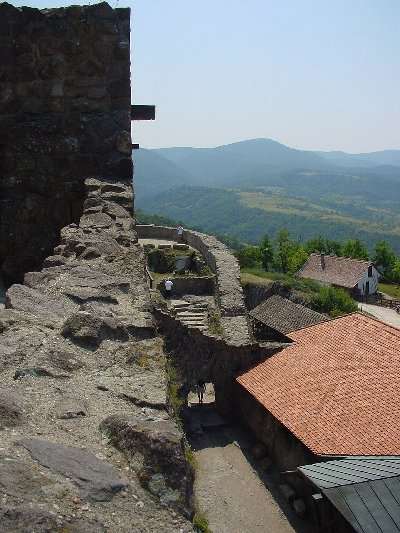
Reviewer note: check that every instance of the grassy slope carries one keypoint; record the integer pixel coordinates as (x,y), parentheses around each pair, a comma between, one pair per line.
(391,290)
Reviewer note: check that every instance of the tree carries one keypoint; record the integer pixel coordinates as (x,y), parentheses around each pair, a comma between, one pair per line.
(285,246)
(248,256)
(396,271)
(355,248)
(321,245)
(266,252)
(297,259)
(318,244)
(333,247)
(384,258)
(333,301)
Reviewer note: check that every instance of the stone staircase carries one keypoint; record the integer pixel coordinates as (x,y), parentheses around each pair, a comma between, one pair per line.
(193,314)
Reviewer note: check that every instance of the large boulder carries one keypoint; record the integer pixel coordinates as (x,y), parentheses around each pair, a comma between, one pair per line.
(85,328)
(156,450)
(37,303)
(97,480)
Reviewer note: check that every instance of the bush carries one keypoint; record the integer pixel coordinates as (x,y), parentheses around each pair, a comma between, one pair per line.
(214,323)
(200,523)
(174,398)
(332,301)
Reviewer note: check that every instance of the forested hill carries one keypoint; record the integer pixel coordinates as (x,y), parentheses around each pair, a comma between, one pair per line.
(254,187)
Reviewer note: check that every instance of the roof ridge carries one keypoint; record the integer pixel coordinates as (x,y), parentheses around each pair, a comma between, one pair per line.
(342,257)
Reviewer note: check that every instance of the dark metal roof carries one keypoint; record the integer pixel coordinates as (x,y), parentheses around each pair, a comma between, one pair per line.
(285,316)
(366,491)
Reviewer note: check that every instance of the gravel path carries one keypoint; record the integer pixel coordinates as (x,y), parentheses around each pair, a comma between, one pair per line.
(230,493)
(387,315)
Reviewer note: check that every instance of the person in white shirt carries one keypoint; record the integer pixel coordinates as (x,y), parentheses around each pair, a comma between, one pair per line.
(179,231)
(168,287)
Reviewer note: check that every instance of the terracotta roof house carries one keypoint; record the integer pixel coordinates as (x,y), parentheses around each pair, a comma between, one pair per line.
(276,317)
(361,277)
(334,391)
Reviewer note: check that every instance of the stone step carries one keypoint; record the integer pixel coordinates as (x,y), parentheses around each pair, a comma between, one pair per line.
(179,305)
(190,313)
(201,328)
(192,319)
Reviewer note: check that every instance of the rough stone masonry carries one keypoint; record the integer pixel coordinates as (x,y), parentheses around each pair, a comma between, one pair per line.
(87,444)
(64,116)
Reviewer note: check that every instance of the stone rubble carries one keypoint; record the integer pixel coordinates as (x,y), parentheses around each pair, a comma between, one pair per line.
(78,348)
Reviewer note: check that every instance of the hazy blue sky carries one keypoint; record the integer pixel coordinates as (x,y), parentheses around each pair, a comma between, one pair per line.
(314,74)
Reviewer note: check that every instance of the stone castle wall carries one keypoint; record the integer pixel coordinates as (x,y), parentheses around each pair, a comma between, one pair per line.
(64,117)
(224,265)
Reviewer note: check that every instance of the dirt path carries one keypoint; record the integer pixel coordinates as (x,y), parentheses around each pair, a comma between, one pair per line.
(387,315)
(230,493)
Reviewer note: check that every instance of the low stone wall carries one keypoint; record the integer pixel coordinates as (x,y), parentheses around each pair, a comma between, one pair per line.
(197,286)
(224,265)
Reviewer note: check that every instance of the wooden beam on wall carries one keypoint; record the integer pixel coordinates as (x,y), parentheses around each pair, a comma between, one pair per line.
(143,112)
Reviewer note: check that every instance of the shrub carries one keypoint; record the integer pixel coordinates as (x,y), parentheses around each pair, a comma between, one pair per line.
(332,301)
(200,523)
(174,398)
(214,323)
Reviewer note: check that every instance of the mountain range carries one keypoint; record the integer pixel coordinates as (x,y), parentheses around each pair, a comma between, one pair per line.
(253,187)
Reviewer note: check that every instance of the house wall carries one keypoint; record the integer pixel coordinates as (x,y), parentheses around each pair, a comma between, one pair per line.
(288,452)
(373,282)
(283,447)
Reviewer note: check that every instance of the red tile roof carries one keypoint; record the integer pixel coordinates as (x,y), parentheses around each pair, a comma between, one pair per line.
(337,387)
(341,271)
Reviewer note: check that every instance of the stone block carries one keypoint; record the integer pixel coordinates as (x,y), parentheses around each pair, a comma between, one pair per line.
(179,246)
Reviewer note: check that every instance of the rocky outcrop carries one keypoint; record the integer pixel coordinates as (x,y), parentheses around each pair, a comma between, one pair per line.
(78,346)
(96,479)
(64,116)
(156,451)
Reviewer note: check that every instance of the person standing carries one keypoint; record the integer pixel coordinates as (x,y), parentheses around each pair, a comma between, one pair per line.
(201,389)
(168,284)
(179,231)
